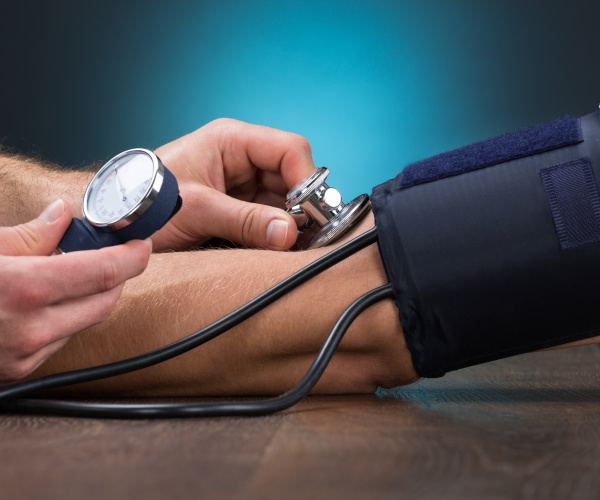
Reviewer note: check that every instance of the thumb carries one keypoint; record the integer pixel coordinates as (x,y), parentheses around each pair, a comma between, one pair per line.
(39,236)
(250,224)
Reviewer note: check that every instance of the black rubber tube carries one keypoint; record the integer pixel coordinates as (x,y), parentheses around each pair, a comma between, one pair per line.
(197,338)
(243,408)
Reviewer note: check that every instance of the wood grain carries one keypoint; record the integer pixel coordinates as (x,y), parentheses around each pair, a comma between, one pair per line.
(525,427)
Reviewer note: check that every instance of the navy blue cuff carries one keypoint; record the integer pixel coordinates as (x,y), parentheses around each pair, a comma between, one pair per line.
(501,257)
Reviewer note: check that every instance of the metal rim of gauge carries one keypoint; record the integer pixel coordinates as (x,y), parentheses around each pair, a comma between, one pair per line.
(141,206)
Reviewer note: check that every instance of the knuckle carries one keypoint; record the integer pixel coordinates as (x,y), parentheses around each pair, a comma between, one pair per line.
(101,308)
(25,283)
(249,219)
(28,292)
(301,143)
(34,339)
(299,153)
(108,277)
(104,307)
(220,126)
(30,240)
(223,123)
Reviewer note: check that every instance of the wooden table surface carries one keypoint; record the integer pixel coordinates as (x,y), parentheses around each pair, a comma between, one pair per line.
(525,427)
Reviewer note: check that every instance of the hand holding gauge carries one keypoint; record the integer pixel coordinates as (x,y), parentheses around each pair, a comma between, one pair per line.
(132,196)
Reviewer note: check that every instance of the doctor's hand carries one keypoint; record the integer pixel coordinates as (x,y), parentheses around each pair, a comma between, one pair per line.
(233,178)
(45,299)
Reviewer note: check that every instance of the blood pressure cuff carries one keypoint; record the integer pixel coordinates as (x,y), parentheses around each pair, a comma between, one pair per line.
(494,249)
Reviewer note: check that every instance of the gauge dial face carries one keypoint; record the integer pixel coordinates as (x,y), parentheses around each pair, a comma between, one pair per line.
(119,188)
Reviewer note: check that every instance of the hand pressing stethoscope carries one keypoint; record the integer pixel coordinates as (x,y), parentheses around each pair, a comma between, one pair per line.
(134,195)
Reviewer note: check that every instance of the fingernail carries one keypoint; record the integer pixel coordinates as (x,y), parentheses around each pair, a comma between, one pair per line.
(53,211)
(277,233)
(148,242)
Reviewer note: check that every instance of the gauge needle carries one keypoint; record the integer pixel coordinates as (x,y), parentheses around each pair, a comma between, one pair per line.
(120,186)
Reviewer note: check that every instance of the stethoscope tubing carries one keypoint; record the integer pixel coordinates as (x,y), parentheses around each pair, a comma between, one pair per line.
(9,393)
(221,409)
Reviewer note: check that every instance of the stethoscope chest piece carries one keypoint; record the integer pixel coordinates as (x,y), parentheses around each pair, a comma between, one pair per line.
(320,212)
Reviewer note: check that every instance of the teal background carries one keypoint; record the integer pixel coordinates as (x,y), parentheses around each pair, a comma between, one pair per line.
(373,85)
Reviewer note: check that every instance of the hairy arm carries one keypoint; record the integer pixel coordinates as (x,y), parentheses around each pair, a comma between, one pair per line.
(28,185)
(182,292)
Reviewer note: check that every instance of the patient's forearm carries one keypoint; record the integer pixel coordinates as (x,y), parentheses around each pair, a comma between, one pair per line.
(28,185)
(182,292)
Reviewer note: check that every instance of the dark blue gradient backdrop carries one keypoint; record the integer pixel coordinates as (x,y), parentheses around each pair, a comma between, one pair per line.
(372,85)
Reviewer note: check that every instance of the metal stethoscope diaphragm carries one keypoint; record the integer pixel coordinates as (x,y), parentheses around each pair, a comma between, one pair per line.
(320,212)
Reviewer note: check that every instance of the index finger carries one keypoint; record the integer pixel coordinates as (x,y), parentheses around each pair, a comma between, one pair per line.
(79,274)
(268,149)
